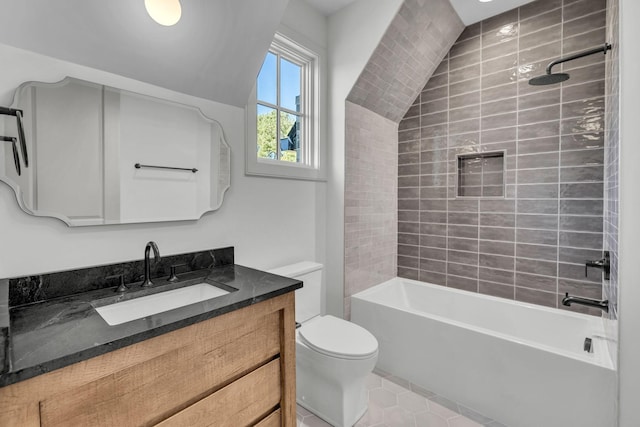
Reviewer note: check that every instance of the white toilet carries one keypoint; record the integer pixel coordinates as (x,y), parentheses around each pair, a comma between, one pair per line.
(333,356)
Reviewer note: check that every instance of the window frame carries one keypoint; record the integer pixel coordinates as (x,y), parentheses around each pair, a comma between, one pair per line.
(310,166)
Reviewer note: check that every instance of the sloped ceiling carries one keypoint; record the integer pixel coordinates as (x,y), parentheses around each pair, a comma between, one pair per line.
(419,36)
(214,52)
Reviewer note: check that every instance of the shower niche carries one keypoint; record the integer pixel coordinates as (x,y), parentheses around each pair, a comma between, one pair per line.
(102,155)
(480,175)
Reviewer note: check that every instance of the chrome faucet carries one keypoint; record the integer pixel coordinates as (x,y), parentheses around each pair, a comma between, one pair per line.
(147,267)
(568,299)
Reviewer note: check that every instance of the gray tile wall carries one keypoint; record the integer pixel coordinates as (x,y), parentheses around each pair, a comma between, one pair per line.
(371,215)
(531,245)
(417,39)
(611,158)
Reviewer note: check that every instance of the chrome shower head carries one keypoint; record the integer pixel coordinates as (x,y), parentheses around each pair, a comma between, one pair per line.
(549,79)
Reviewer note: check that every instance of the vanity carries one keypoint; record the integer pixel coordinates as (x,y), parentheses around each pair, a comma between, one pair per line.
(227,360)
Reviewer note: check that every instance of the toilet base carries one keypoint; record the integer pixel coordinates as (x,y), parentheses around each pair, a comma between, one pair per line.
(333,389)
(326,418)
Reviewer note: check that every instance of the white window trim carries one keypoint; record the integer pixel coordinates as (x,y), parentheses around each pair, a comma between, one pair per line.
(312,168)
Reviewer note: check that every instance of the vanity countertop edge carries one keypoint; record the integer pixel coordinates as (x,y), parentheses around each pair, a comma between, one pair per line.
(49,335)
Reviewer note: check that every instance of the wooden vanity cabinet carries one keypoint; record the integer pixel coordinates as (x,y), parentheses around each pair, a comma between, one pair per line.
(236,369)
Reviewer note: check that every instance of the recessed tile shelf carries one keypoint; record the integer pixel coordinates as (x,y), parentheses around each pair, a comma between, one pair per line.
(480,175)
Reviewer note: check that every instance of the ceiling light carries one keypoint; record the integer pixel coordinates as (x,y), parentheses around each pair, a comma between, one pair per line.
(164,12)
(484,1)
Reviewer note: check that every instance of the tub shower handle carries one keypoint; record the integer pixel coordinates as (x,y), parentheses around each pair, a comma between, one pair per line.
(568,299)
(121,286)
(172,272)
(603,264)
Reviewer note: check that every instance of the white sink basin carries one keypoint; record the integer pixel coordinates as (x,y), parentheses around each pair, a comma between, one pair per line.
(137,308)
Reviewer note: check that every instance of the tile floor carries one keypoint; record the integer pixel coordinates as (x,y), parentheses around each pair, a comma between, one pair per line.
(394,402)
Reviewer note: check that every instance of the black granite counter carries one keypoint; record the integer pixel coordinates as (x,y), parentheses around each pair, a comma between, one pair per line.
(58,332)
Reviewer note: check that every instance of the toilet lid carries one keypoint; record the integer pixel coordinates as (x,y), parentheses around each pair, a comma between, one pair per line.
(338,338)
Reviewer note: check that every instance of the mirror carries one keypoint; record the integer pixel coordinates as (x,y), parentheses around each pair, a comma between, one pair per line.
(102,155)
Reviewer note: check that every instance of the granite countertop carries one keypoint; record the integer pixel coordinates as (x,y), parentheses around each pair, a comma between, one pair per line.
(51,334)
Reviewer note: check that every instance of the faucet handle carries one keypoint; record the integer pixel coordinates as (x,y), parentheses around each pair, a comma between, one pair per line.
(172,273)
(122,287)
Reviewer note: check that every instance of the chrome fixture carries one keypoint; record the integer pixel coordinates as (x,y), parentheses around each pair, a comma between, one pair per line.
(172,272)
(147,267)
(568,300)
(603,263)
(550,78)
(588,345)
(122,287)
(139,166)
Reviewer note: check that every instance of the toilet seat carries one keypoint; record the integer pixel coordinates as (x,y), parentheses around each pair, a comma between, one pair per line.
(338,338)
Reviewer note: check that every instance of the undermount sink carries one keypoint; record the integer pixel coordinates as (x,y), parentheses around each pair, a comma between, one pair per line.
(137,308)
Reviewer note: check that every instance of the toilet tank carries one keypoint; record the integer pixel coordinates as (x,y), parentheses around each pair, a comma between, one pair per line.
(309,297)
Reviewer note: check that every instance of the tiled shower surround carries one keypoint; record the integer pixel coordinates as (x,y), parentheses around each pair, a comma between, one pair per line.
(612,162)
(417,39)
(371,216)
(531,244)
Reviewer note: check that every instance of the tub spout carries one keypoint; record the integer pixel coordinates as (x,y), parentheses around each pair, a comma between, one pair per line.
(568,299)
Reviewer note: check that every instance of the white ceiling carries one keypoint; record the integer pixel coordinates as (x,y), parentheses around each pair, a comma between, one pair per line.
(469,11)
(328,7)
(214,52)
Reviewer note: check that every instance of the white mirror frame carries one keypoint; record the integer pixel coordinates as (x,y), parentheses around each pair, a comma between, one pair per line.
(117,129)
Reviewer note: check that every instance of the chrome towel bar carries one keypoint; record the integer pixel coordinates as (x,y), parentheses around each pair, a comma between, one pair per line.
(138,166)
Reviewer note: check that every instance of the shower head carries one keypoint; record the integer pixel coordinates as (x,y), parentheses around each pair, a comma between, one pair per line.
(549,79)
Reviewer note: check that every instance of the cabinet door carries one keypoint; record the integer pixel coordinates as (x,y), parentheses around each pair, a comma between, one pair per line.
(241,403)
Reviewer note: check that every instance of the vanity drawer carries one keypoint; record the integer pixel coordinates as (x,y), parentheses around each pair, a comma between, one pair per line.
(273,420)
(152,391)
(240,403)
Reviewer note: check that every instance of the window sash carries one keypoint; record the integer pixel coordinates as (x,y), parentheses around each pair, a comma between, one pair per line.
(309,165)
(281,52)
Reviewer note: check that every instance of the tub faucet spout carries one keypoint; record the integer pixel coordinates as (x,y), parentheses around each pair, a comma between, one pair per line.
(568,299)
(147,264)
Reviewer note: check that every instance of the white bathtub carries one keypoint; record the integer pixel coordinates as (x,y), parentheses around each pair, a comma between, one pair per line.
(520,364)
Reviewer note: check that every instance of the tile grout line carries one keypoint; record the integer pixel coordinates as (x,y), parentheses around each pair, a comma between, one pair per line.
(559,158)
(446,243)
(515,209)
(482,165)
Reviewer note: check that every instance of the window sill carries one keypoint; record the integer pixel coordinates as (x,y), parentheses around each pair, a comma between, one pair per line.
(273,169)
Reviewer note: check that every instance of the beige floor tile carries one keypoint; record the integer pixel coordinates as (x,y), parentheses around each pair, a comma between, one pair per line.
(391,405)
(463,422)
(383,398)
(392,387)
(429,419)
(412,402)
(398,417)
(440,410)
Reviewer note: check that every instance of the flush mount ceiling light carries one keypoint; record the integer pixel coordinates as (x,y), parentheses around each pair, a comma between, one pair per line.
(484,1)
(164,12)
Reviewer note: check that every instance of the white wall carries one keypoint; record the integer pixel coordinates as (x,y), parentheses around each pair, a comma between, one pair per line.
(269,221)
(629,236)
(354,32)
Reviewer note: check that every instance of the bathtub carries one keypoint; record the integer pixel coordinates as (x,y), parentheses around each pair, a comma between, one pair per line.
(520,364)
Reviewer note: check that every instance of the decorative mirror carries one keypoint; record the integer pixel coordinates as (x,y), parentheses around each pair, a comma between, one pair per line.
(90,154)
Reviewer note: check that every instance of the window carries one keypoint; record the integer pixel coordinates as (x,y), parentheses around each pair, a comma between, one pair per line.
(280,109)
(283,129)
